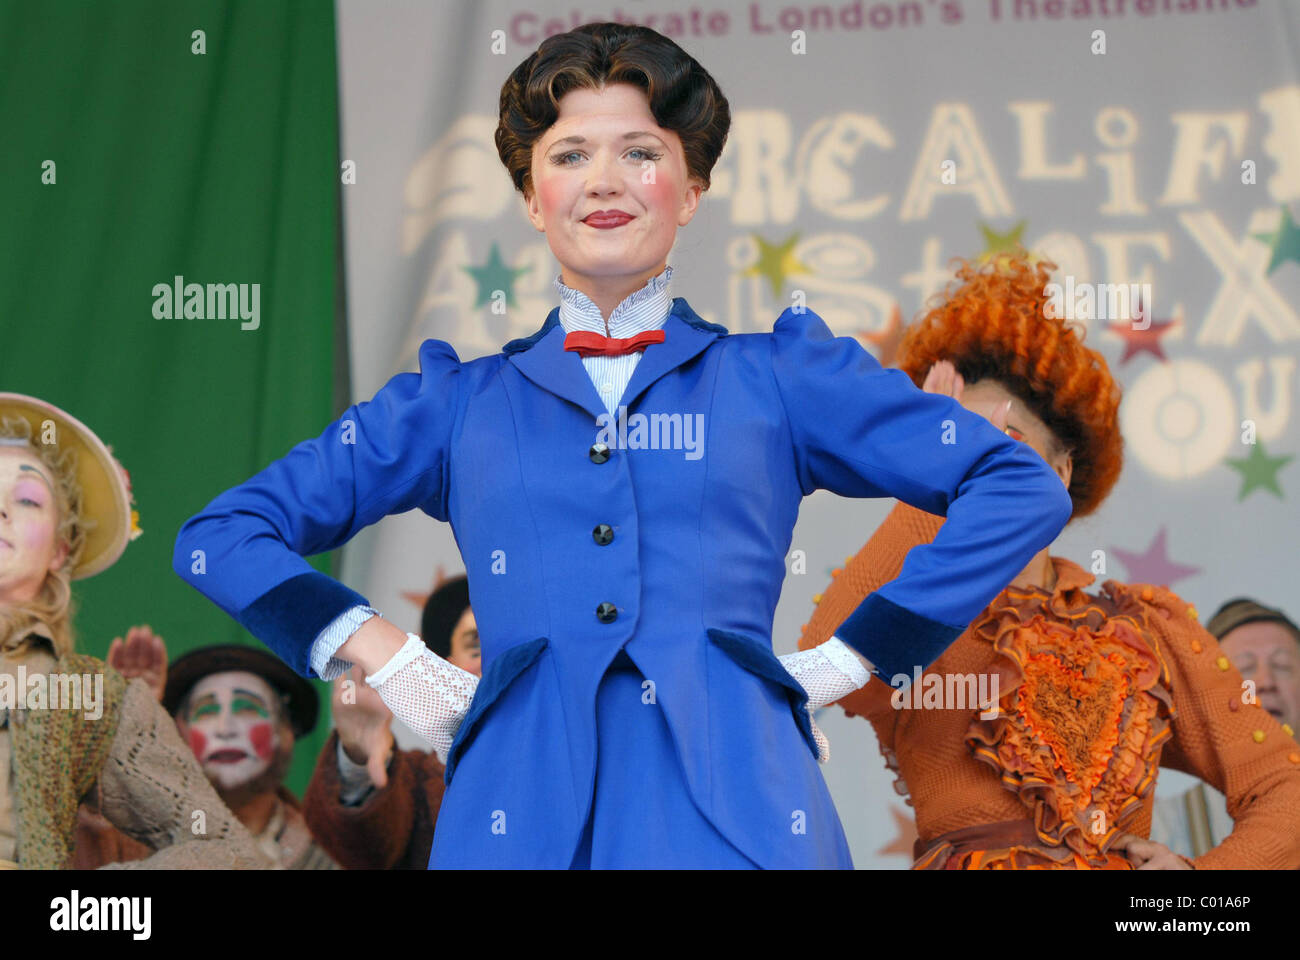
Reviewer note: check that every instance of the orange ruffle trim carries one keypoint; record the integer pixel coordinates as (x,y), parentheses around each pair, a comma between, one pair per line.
(1034,858)
(1083,710)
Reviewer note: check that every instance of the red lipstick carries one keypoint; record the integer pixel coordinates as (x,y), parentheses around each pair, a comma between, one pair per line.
(607,219)
(226,756)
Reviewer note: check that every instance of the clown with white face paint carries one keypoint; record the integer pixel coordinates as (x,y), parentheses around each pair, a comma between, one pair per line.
(241,711)
(231,724)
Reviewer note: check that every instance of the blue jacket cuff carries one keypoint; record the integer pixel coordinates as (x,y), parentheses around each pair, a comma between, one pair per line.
(288,618)
(894,638)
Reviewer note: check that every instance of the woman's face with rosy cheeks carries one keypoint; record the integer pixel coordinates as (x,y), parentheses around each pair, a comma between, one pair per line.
(232,725)
(29,521)
(605,152)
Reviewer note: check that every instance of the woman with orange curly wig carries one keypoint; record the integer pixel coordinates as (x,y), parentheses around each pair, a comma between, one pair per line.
(1034,741)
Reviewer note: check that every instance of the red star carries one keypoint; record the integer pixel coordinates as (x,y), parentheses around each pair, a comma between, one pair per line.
(420,599)
(905,824)
(1136,341)
(886,341)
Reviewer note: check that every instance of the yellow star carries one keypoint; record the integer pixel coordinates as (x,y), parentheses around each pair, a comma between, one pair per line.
(995,242)
(775,261)
(1001,246)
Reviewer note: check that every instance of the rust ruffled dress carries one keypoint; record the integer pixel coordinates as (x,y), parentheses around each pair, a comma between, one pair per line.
(1094,693)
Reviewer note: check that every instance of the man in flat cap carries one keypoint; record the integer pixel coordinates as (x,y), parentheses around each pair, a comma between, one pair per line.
(1264,644)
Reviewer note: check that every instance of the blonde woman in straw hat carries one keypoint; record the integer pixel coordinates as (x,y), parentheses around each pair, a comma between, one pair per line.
(70,723)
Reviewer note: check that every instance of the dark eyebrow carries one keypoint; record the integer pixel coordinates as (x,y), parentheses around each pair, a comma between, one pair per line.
(627,136)
(251,695)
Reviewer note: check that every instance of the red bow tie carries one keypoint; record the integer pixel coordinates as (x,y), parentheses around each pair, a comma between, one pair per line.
(588,344)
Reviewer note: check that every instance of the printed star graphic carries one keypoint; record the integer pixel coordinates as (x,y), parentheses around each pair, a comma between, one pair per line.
(1285,242)
(493,276)
(903,840)
(886,341)
(420,599)
(775,261)
(1259,470)
(1136,341)
(996,243)
(1154,565)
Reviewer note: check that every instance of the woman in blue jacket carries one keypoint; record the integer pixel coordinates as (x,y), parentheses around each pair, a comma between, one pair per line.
(623,486)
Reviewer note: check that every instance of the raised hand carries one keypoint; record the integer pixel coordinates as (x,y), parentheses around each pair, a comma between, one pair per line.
(143,654)
(364,725)
(943,378)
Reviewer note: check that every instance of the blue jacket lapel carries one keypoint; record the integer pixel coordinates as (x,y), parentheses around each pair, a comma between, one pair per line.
(543,360)
(686,336)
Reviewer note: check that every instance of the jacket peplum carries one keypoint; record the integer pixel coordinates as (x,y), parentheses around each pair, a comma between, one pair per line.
(505,449)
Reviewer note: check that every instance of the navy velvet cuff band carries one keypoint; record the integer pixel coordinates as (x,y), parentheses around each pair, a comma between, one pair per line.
(894,638)
(288,618)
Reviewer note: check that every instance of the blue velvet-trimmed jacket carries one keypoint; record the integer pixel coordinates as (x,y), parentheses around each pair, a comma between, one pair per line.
(506,449)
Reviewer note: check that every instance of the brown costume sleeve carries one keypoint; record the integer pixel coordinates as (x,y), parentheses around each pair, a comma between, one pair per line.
(1237,748)
(878,562)
(151,788)
(376,834)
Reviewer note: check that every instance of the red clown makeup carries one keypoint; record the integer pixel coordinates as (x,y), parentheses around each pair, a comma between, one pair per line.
(230,724)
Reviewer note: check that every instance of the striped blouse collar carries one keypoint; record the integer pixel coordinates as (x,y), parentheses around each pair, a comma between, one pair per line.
(646,309)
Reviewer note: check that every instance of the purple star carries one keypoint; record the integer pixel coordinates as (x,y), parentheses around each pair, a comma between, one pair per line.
(1154,566)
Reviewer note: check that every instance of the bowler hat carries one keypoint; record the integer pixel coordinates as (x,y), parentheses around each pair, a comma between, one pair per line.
(302,704)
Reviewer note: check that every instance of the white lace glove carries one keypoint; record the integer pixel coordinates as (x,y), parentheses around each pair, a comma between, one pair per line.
(827,672)
(425,692)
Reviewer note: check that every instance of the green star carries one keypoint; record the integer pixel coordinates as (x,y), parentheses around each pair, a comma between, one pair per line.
(1259,470)
(1285,242)
(995,243)
(493,276)
(775,262)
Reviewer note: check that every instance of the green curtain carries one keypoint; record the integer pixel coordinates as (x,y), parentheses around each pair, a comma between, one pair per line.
(219,167)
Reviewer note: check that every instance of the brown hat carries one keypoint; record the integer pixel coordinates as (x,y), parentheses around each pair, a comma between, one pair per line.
(301,703)
(1242,610)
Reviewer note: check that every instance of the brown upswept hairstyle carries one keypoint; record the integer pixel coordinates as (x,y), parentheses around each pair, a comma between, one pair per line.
(683,97)
(993,321)
(53,605)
